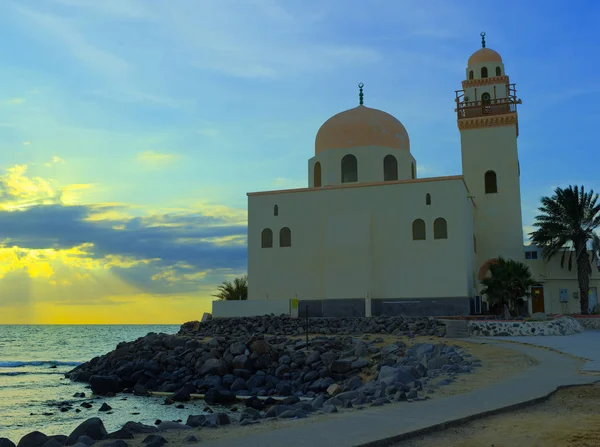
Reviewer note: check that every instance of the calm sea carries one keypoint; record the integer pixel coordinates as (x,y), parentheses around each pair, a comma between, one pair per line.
(29,385)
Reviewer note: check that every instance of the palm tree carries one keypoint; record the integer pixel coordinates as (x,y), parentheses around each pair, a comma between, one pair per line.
(236,290)
(567,224)
(509,281)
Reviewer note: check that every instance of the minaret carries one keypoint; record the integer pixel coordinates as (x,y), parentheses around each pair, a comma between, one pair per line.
(488,123)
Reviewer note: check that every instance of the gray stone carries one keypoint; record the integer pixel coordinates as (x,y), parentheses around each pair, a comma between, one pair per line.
(5,442)
(137,427)
(359,364)
(93,428)
(390,375)
(154,439)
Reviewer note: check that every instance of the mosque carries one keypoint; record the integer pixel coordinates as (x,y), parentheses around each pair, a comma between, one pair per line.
(368,237)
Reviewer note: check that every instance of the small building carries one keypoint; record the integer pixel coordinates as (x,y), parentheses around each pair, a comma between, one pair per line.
(367,236)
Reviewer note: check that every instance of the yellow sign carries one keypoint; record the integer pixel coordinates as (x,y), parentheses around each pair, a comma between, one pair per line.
(294,303)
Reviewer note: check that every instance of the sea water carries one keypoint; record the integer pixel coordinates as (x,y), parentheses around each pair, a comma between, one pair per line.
(33,361)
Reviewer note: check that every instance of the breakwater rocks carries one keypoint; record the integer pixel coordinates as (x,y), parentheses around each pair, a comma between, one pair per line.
(278,376)
(282,325)
(559,326)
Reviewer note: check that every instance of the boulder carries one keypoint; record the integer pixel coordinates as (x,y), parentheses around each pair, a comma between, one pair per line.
(155,440)
(85,440)
(195,420)
(334,389)
(342,366)
(169,425)
(101,385)
(237,348)
(93,428)
(183,395)
(389,375)
(33,439)
(137,427)
(140,390)
(119,434)
(260,347)
(5,442)
(213,366)
(105,407)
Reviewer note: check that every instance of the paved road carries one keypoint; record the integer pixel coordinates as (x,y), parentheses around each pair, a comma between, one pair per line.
(359,428)
(586,345)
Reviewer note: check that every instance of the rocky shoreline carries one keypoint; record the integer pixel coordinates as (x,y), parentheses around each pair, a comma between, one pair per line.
(262,368)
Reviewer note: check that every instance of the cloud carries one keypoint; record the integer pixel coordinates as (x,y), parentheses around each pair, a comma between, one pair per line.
(53,161)
(15,101)
(26,143)
(156,159)
(285,183)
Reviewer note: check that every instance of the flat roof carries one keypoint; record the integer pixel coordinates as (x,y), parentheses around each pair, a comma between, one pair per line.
(361,185)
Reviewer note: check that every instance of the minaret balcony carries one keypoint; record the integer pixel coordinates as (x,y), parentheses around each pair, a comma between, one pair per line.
(485,105)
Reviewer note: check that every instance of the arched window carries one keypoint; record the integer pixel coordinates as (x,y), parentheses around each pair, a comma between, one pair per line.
(285,237)
(491,182)
(484,73)
(349,169)
(471,74)
(427,199)
(276,210)
(418,229)
(412,170)
(266,238)
(390,168)
(440,228)
(498,71)
(317,175)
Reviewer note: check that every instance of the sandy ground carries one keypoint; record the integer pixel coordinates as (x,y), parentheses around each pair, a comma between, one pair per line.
(498,363)
(570,418)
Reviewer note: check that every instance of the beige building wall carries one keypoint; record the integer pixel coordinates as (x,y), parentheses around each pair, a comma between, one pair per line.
(498,223)
(351,241)
(369,161)
(553,278)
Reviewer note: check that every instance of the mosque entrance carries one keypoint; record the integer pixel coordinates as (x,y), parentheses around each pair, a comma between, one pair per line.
(537,299)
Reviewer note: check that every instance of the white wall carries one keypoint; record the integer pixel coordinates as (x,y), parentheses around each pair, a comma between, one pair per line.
(246,308)
(350,240)
(498,223)
(370,164)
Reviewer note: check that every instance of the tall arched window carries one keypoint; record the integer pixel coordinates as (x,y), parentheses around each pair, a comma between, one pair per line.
(484,72)
(427,199)
(418,230)
(266,238)
(498,71)
(390,168)
(317,175)
(285,237)
(471,74)
(440,228)
(276,210)
(349,169)
(491,182)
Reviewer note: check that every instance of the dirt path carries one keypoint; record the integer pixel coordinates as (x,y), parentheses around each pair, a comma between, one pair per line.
(570,418)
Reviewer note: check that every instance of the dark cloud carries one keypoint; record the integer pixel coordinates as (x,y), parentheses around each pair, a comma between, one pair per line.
(165,238)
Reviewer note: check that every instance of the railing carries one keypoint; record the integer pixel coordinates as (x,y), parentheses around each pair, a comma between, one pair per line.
(473,109)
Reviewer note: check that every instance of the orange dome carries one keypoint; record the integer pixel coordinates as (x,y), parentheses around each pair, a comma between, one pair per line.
(361,126)
(484,55)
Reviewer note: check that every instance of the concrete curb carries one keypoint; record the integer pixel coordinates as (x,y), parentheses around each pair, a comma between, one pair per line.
(465,420)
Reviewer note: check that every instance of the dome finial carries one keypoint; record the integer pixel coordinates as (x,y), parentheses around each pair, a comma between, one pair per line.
(482,34)
(360,93)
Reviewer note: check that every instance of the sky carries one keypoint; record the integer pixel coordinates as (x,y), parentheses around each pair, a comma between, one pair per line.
(131,130)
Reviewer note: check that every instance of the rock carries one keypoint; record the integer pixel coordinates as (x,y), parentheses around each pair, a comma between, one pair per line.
(313,357)
(79,395)
(117,443)
(195,420)
(5,442)
(216,419)
(317,402)
(52,443)
(119,434)
(214,396)
(359,364)
(154,439)
(183,395)
(330,409)
(168,425)
(238,385)
(140,390)
(250,413)
(213,366)
(105,407)
(237,348)
(61,439)
(334,389)
(190,439)
(390,375)
(260,347)
(93,428)
(101,385)
(85,440)
(342,366)
(136,427)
